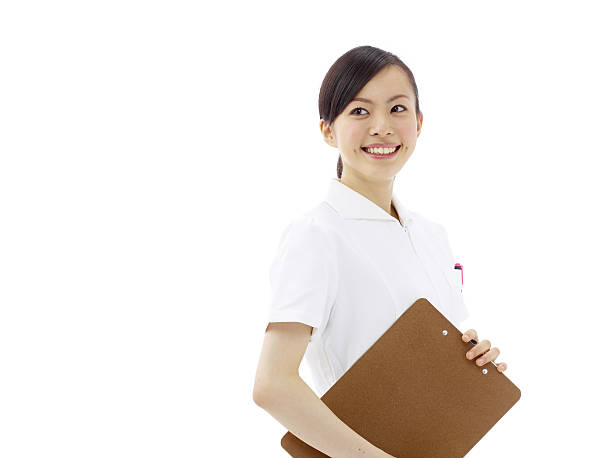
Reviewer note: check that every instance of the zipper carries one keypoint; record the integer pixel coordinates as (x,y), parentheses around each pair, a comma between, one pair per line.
(405,228)
(423,266)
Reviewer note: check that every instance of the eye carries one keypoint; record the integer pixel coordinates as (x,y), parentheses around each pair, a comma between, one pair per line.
(361,108)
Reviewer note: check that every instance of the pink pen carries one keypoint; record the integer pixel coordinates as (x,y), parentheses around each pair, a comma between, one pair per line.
(460,267)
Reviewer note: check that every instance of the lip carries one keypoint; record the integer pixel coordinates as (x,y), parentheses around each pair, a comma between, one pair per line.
(381,145)
(382,156)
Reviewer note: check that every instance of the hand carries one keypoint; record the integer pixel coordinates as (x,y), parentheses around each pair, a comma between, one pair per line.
(482,348)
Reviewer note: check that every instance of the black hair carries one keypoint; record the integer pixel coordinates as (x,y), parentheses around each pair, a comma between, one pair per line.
(348,75)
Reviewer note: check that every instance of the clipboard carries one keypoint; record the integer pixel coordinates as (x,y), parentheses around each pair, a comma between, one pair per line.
(413,393)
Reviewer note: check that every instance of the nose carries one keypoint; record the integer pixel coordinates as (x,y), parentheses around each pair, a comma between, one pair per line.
(381,125)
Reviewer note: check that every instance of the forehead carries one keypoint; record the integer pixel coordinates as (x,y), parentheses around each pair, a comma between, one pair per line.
(389,82)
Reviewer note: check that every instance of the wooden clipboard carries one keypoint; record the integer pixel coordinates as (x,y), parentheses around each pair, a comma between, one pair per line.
(413,393)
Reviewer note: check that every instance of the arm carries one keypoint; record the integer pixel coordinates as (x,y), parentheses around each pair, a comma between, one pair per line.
(283,394)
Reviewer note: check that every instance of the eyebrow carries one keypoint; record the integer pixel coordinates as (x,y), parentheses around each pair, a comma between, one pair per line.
(390,100)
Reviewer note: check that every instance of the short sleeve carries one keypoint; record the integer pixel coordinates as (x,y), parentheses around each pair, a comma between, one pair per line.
(460,311)
(303,275)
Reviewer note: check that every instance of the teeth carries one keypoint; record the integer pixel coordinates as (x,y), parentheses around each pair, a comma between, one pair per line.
(380,150)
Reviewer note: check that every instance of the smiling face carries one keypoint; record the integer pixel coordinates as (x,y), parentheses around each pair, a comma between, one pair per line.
(384,113)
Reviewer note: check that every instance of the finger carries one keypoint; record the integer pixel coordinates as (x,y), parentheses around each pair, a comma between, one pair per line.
(488,356)
(478,349)
(502,367)
(469,334)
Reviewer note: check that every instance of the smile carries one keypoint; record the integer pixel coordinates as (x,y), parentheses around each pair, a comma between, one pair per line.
(381,153)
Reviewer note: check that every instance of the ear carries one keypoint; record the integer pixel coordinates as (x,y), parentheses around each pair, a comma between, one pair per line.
(419,123)
(328,133)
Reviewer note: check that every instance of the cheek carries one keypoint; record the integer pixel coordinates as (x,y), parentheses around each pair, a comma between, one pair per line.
(408,132)
(355,135)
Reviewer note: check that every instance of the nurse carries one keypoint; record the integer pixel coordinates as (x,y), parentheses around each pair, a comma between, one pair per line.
(350,266)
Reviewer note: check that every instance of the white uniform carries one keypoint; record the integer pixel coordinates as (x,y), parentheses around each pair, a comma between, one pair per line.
(349,269)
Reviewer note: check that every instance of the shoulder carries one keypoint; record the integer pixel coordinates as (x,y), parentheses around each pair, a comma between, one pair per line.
(325,215)
(321,220)
(306,232)
(316,230)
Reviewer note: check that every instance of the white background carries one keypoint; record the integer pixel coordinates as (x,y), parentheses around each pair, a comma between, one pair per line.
(152,152)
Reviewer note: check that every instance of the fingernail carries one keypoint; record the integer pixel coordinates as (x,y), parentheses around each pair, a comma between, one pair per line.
(470,354)
(479,362)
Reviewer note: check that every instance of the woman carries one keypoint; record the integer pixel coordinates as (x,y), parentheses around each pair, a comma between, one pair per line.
(348,268)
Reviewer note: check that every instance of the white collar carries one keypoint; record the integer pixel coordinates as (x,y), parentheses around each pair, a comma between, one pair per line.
(352,205)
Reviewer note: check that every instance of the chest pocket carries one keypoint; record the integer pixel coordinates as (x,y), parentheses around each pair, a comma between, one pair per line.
(456,280)
(453,276)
